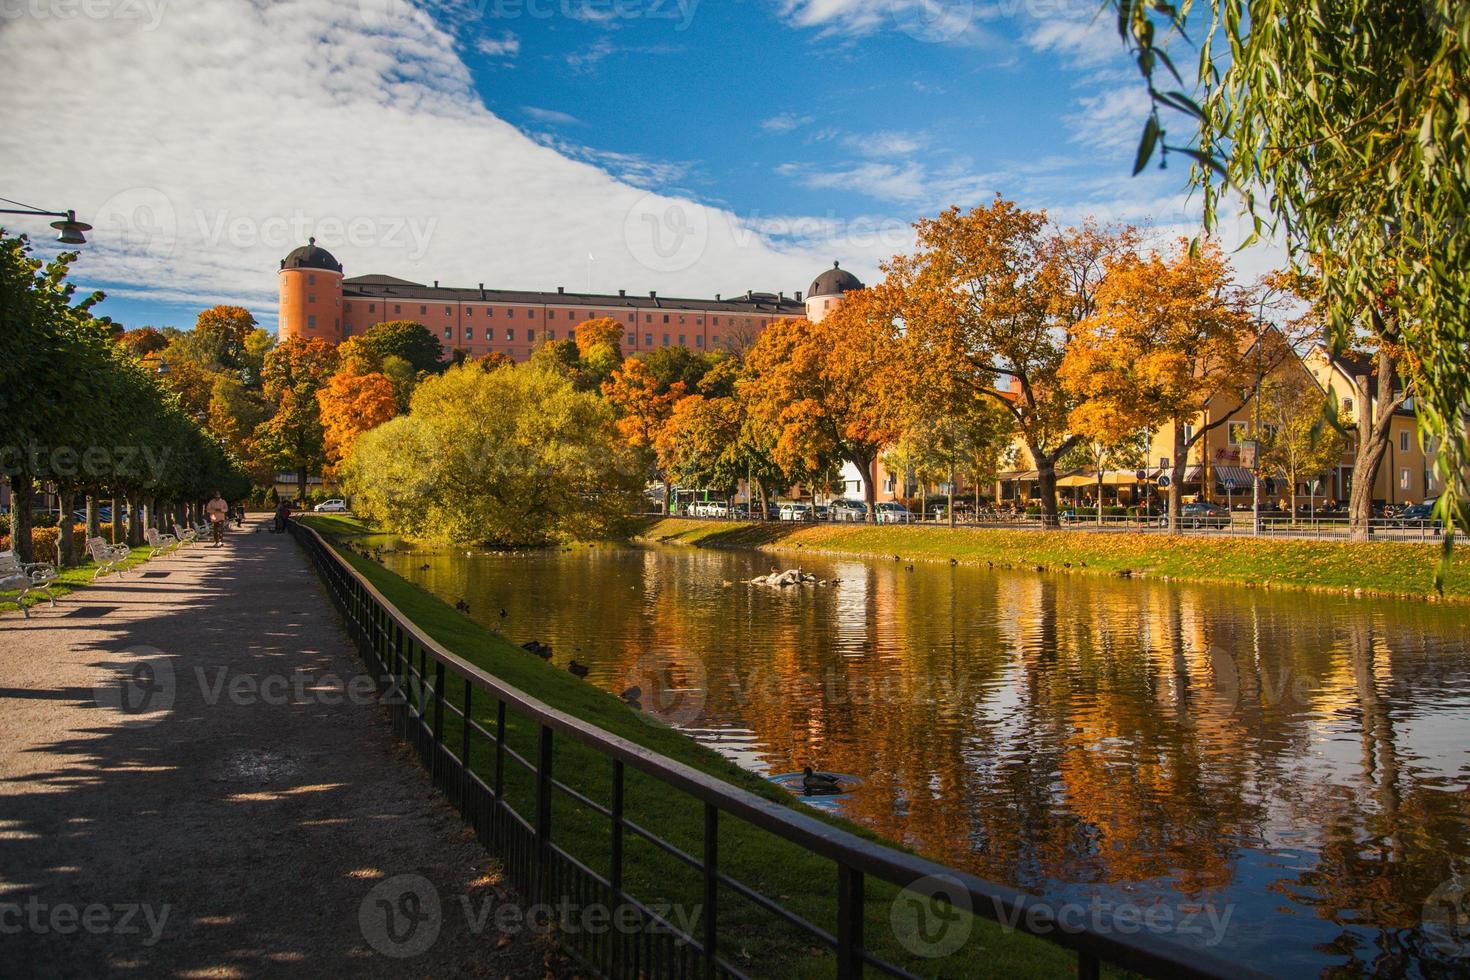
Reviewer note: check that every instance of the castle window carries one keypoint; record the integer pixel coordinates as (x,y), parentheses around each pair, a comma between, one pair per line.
(510,313)
(648,340)
(423,311)
(698,341)
(448,310)
(372,307)
(510,335)
(448,333)
(311,297)
(469,333)
(666,318)
(681,341)
(397,309)
(666,340)
(714,338)
(632,340)
(681,318)
(1404,441)
(311,321)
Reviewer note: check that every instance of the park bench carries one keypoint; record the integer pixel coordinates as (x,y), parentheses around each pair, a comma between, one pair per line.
(25,577)
(107,556)
(161,543)
(185,536)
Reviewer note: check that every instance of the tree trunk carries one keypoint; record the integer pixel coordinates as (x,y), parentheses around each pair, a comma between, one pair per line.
(1176,479)
(301,486)
(116,521)
(22,490)
(1373,424)
(65,529)
(1046,476)
(870,492)
(135,526)
(94,524)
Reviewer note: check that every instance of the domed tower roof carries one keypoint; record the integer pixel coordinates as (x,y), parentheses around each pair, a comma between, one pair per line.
(309,256)
(835,282)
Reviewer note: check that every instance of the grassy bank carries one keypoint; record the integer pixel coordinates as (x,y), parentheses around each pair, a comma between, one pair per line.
(1376,568)
(72,579)
(801,881)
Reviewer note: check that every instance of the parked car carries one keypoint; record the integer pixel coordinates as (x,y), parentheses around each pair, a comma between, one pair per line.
(331,507)
(795,511)
(848,510)
(717,508)
(1415,515)
(821,512)
(891,512)
(1200,513)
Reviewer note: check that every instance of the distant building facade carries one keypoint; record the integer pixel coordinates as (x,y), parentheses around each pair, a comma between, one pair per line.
(316,301)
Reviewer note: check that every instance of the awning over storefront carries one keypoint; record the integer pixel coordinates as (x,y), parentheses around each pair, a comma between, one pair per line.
(1238,475)
(1025,476)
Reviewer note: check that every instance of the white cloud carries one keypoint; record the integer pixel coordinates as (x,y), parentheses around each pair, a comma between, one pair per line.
(589,59)
(552,117)
(909,183)
(930,21)
(888,143)
(232,131)
(785,122)
(1111,119)
(508,45)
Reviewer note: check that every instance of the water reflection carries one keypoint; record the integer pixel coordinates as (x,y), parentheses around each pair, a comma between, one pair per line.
(1297,762)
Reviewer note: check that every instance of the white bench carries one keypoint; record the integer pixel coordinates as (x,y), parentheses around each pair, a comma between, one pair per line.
(161,543)
(18,575)
(107,556)
(186,536)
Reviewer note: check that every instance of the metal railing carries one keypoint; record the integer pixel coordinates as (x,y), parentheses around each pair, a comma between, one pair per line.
(413,673)
(1237,524)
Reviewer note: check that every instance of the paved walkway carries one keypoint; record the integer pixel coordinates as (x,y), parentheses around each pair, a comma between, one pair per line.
(190,787)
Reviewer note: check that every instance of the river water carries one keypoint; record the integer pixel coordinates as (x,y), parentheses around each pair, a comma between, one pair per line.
(1285,775)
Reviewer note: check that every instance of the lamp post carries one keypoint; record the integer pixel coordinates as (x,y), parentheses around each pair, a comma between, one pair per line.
(71,230)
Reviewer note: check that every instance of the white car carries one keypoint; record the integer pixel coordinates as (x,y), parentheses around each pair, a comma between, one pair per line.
(717,508)
(331,507)
(893,513)
(795,512)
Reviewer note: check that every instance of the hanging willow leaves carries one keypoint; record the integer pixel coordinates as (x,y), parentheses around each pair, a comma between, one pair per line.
(1345,127)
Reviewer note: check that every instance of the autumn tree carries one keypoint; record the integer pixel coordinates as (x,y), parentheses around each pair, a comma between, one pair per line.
(235,412)
(1297,439)
(293,438)
(352,404)
(643,407)
(995,295)
(143,341)
(818,387)
(1169,339)
(1107,444)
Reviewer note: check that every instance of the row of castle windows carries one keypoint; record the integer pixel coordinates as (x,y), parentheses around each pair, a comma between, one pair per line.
(572,315)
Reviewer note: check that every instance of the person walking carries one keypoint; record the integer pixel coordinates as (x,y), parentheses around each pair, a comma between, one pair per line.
(283,514)
(218,512)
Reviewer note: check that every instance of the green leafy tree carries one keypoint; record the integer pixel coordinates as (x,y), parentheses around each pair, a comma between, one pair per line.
(292,438)
(406,339)
(1343,127)
(506,457)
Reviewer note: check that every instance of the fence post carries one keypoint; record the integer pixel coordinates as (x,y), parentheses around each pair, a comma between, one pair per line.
(849,923)
(711,887)
(543,815)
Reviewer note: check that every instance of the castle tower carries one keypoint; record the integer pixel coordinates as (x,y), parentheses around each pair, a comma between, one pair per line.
(311,295)
(827,292)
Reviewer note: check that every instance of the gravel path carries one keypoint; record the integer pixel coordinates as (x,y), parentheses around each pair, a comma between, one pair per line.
(192,784)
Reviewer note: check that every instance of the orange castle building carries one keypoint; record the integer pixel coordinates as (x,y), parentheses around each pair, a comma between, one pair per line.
(316,301)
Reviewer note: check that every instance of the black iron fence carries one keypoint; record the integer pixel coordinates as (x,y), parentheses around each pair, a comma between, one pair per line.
(435,696)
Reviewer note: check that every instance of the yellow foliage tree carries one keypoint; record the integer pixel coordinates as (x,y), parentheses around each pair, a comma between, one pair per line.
(1169,337)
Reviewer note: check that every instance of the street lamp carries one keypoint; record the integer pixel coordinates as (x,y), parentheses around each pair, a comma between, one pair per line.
(70,228)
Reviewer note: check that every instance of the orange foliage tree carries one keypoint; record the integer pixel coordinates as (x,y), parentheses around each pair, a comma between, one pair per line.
(821,388)
(993,296)
(352,404)
(1169,337)
(644,407)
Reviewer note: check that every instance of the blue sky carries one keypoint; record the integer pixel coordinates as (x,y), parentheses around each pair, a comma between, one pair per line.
(689,146)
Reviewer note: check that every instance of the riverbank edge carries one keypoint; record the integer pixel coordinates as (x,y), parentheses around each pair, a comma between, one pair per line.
(1018,954)
(1375,570)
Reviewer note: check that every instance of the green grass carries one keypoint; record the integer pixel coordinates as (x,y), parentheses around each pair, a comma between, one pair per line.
(801,881)
(72,579)
(1375,568)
